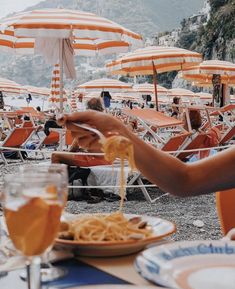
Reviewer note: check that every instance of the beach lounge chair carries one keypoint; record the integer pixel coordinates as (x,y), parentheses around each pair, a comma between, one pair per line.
(175,142)
(228,135)
(225,203)
(196,141)
(16,139)
(154,121)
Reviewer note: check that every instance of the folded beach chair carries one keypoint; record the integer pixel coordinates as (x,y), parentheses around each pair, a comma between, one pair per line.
(16,139)
(155,123)
(225,203)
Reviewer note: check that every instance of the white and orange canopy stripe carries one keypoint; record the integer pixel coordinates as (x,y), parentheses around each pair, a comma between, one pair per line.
(82,46)
(149,88)
(41,91)
(63,23)
(204,95)
(181,92)
(105,84)
(9,86)
(165,59)
(203,72)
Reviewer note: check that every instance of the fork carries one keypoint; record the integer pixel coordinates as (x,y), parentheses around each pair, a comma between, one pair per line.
(91,129)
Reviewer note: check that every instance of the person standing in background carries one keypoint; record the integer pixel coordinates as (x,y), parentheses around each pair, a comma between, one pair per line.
(105,95)
(1,101)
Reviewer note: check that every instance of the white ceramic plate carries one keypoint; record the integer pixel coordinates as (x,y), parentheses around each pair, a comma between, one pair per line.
(116,287)
(190,265)
(161,228)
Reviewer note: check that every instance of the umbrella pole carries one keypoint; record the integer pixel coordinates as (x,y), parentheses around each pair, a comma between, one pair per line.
(155,84)
(61,74)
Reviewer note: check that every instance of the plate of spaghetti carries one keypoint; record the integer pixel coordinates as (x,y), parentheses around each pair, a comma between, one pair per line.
(112,234)
(117,233)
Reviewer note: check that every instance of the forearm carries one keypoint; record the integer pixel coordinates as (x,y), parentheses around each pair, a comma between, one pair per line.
(184,179)
(169,173)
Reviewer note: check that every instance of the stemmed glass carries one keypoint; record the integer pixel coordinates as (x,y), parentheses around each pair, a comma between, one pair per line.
(3,256)
(32,208)
(48,271)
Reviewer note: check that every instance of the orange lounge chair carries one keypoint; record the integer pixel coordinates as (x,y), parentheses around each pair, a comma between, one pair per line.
(17,139)
(228,135)
(152,121)
(197,141)
(153,118)
(225,203)
(175,142)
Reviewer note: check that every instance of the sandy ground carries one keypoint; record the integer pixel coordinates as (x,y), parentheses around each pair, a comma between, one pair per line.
(182,211)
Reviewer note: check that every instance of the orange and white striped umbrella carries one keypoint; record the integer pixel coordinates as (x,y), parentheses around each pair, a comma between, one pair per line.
(204,95)
(105,84)
(62,23)
(55,86)
(140,62)
(41,91)
(181,92)
(149,88)
(203,72)
(9,86)
(82,46)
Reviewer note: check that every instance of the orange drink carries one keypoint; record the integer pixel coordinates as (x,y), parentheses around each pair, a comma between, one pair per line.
(34,225)
(33,205)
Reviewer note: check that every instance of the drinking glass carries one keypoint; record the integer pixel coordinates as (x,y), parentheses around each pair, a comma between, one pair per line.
(32,209)
(60,169)
(48,271)
(3,256)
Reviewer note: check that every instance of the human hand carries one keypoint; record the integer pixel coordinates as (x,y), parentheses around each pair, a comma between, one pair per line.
(105,123)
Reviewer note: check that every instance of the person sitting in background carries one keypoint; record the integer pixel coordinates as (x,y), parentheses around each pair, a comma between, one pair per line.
(80,104)
(195,120)
(95,104)
(50,123)
(83,160)
(175,108)
(213,134)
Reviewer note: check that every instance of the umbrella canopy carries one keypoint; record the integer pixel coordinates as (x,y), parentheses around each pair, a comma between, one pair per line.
(181,92)
(103,84)
(63,23)
(41,91)
(149,88)
(82,46)
(204,71)
(9,86)
(152,60)
(140,62)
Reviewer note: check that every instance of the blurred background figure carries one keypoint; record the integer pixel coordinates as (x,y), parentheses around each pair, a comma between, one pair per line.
(29,98)
(105,95)
(95,104)
(1,101)
(80,103)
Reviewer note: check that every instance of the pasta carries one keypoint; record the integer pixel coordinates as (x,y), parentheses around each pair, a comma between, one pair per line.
(109,227)
(105,228)
(119,147)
